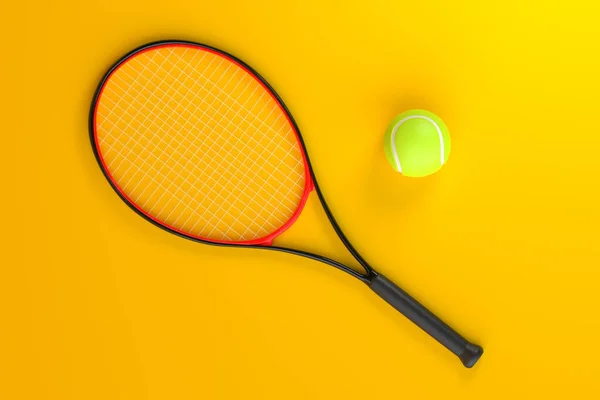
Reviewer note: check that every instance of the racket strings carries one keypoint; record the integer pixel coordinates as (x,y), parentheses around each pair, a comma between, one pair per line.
(198,144)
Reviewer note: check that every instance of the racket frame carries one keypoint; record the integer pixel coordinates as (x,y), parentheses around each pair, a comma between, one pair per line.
(260,243)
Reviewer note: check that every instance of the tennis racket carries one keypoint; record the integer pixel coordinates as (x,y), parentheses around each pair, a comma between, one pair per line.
(197,143)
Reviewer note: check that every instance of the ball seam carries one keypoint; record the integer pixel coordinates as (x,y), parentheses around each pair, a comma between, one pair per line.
(403,120)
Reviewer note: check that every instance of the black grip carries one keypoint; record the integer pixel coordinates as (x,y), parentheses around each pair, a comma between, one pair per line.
(468,352)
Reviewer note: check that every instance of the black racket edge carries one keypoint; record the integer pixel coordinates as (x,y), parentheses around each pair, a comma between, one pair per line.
(466,351)
(313,256)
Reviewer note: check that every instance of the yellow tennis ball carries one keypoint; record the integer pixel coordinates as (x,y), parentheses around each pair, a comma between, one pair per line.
(417,143)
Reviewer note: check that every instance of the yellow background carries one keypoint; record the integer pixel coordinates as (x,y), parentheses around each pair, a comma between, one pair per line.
(96,303)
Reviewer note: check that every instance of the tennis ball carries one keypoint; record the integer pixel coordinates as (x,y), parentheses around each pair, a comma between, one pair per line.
(417,143)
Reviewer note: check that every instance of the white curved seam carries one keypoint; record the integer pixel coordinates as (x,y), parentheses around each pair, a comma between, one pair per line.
(403,120)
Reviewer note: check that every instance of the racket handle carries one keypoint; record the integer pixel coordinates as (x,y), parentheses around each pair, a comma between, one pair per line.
(466,351)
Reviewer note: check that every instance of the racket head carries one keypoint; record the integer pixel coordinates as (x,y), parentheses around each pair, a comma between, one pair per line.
(164,176)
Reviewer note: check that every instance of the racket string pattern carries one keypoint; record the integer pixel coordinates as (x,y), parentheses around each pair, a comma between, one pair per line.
(195,141)
(199,144)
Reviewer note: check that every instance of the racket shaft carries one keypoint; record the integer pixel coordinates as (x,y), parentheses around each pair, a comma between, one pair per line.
(466,351)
